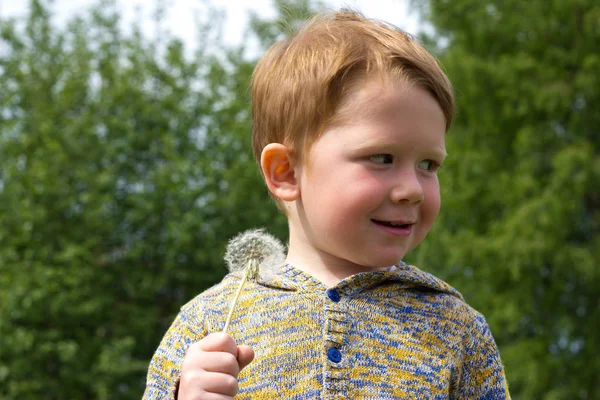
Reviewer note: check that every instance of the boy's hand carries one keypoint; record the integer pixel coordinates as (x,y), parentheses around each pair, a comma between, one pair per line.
(211,367)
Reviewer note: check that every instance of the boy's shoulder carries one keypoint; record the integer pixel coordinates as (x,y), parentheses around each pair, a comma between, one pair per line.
(437,295)
(211,305)
(424,281)
(214,294)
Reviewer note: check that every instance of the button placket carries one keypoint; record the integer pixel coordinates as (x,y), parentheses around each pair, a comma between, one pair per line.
(336,368)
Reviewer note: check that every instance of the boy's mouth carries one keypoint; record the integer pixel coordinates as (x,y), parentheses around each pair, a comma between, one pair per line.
(399,224)
(395,228)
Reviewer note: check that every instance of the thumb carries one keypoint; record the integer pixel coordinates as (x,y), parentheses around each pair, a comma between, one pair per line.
(244,356)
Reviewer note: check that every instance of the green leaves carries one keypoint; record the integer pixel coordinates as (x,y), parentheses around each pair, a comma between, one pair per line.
(520,226)
(123,167)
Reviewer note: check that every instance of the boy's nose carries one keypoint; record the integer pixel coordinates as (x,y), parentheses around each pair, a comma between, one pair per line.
(407,190)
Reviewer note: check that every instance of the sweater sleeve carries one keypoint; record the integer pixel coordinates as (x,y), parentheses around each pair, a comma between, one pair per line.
(482,371)
(165,367)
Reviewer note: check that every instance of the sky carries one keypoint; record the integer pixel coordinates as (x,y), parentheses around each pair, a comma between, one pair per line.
(180,13)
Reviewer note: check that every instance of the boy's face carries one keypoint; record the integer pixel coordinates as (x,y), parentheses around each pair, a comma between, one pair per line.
(369,192)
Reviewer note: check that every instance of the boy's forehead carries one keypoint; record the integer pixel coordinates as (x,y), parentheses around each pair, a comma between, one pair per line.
(371,100)
(382,100)
(411,112)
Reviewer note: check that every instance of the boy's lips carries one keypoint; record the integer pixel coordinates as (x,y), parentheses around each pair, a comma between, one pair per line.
(396,227)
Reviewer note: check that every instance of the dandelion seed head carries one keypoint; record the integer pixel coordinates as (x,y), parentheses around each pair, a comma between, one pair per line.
(257,248)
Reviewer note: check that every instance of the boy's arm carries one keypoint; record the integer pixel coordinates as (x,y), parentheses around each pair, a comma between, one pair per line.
(482,373)
(165,367)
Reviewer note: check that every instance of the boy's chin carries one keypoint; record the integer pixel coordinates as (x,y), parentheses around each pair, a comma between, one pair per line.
(384,263)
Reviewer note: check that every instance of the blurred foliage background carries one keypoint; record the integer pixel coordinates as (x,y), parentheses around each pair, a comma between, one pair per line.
(125,167)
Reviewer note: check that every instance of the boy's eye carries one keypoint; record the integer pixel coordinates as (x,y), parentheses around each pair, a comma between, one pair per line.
(382,158)
(429,165)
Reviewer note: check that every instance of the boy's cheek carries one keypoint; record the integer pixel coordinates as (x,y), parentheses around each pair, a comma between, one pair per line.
(429,213)
(433,201)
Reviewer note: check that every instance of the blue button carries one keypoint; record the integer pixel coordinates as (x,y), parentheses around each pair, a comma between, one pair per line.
(334,355)
(333,295)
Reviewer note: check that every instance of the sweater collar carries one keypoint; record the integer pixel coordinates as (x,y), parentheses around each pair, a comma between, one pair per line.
(407,276)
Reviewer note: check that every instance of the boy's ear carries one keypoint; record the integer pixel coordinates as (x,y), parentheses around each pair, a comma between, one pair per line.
(279,172)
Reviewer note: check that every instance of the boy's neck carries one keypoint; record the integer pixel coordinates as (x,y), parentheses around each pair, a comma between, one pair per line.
(325,268)
(318,270)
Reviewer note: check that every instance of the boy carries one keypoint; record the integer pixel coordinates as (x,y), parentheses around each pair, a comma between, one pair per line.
(349,118)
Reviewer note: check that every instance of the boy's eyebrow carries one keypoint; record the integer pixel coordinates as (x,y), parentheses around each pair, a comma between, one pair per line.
(442,152)
(378,146)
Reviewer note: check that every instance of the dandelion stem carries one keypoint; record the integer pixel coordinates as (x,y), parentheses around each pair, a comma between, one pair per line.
(248,270)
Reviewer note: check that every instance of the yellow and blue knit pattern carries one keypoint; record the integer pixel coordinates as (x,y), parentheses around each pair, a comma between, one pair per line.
(402,334)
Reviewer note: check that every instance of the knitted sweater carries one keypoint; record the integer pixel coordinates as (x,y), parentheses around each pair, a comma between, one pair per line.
(402,334)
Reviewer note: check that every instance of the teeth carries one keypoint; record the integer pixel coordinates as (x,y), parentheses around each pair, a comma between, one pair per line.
(392,224)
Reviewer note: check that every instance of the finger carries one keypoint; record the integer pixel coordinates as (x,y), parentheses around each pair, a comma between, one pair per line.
(204,396)
(245,355)
(222,362)
(224,384)
(219,341)
(214,396)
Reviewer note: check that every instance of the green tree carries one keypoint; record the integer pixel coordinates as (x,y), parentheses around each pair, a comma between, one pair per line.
(519,232)
(125,167)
